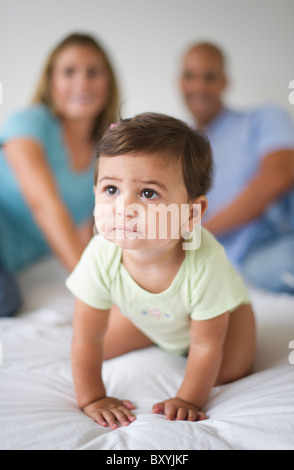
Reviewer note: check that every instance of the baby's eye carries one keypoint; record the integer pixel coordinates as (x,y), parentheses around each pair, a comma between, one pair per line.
(112,190)
(149,193)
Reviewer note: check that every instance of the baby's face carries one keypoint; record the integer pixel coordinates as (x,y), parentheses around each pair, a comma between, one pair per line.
(141,201)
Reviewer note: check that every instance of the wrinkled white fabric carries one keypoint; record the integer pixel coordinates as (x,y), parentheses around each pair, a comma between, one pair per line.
(38,409)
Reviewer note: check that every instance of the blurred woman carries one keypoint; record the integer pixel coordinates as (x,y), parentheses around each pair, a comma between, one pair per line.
(47,152)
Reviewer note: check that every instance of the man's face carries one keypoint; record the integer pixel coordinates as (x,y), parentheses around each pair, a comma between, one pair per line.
(202,84)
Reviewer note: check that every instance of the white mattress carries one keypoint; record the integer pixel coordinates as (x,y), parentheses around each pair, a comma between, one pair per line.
(38,409)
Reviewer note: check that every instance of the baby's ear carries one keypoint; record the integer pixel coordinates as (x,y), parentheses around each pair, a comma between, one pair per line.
(197,211)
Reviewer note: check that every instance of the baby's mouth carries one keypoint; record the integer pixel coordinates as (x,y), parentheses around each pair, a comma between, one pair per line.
(127,229)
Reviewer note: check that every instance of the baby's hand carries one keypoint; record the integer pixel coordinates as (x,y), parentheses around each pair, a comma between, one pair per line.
(177,409)
(109,411)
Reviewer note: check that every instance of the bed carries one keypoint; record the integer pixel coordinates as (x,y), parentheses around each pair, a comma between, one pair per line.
(38,410)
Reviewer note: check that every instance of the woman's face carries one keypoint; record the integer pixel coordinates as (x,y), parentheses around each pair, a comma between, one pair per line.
(80,83)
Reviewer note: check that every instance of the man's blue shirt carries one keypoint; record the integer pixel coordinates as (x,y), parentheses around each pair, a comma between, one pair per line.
(240,140)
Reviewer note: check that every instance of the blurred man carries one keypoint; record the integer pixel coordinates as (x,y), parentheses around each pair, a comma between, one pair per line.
(251,204)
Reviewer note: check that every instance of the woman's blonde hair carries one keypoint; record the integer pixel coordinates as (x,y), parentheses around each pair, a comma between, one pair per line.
(43,91)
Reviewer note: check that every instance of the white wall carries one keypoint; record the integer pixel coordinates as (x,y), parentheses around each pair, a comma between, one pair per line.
(146,38)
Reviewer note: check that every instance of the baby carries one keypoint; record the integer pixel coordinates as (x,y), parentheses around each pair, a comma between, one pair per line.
(168,278)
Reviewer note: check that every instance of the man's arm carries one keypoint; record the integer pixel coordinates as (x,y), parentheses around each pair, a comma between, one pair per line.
(275,178)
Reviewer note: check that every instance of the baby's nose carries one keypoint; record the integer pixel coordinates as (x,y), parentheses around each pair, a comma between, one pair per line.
(127,208)
(131,211)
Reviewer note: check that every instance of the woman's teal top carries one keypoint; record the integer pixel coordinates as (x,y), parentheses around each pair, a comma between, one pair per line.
(21,241)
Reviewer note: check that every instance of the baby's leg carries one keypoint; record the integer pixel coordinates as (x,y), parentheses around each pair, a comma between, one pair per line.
(239,348)
(122,336)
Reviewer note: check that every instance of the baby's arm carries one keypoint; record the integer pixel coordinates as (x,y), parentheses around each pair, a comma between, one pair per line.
(90,326)
(203,367)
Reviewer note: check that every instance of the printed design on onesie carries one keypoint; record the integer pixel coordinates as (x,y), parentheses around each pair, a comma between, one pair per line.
(154,313)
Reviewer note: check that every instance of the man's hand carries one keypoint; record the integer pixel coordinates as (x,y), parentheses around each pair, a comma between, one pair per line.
(108,411)
(179,410)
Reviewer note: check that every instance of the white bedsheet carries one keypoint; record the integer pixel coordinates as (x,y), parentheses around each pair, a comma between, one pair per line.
(38,409)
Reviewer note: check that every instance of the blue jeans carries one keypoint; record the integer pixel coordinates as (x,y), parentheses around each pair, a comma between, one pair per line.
(10,299)
(270,266)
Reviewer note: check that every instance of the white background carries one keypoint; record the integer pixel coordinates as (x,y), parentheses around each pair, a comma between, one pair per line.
(146,39)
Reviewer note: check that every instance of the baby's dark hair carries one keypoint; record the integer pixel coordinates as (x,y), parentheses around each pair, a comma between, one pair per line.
(156,133)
